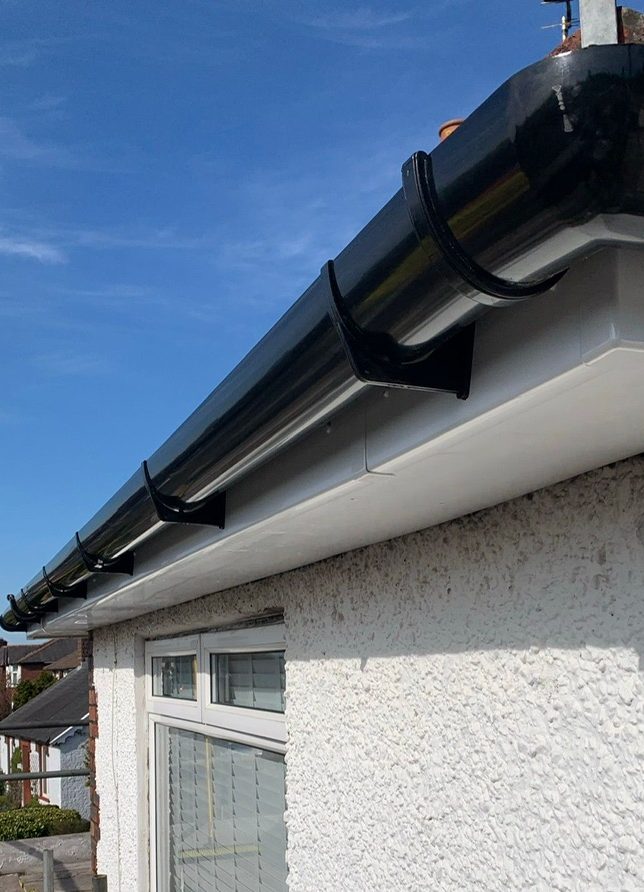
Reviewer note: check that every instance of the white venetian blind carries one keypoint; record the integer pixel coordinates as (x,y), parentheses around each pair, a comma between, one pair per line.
(251,680)
(225,814)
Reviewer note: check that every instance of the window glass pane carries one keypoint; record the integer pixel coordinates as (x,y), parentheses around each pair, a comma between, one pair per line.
(175,676)
(251,680)
(221,815)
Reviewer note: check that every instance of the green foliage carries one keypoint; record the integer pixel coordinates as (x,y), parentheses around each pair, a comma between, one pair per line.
(16,760)
(6,802)
(40,820)
(14,788)
(26,690)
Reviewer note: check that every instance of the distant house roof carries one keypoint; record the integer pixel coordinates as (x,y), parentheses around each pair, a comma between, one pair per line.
(50,651)
(69,661)
(10,654)
(66,700)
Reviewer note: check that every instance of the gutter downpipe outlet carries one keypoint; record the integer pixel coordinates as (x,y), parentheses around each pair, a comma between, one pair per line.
(545,170)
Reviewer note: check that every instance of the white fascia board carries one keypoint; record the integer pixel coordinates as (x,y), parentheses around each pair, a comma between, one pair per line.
(557,389)
(60,738)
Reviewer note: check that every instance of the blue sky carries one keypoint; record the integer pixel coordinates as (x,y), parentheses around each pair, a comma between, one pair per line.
(172,175)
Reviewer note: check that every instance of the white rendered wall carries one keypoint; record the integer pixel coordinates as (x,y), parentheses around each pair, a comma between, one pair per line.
(4,755)
(464,704)
(74,791)
(54,783)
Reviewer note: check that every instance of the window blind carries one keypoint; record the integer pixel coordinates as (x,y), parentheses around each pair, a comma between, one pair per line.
(225,814)
(251,680)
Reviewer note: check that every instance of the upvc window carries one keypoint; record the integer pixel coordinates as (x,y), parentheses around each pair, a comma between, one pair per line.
(218,793)
(172,672)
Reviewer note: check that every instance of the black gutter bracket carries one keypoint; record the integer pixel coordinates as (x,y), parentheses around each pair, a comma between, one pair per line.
(427,219)
(19,626)
(22,615)
(210,511)
(48,607)
(376,358)
(124,563)
(78,590)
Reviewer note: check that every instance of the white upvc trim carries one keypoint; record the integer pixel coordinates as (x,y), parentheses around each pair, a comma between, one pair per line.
(254,722)
(59,737)
(261,743)
(267,727)
(155,886)
(251,639)
(174,706)
(249,727)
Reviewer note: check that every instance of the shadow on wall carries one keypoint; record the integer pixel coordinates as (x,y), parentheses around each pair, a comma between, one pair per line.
(560,568)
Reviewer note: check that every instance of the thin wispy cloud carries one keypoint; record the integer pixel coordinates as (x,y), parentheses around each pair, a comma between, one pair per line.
(19,53)
(145,237)
(375,29)
(16,246)
(54,244)
(47,103)
(16,145)
(362,19)
(23,53)
(65,365)
(118,298)
(300,219)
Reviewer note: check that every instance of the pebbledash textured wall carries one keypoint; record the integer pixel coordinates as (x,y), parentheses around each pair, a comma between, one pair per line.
(75,790)
(465,704)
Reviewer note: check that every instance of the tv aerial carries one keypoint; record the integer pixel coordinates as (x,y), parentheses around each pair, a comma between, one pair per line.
(567,21)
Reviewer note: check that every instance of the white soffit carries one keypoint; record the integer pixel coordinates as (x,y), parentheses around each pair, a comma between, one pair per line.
(557,389)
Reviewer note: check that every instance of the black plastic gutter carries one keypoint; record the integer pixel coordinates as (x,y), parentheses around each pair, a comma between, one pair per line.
(557,146)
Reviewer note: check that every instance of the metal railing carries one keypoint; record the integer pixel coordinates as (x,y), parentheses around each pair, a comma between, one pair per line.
(37,775)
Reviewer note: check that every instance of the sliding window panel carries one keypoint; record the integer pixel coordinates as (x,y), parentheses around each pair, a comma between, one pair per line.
(248,680)
(173,677)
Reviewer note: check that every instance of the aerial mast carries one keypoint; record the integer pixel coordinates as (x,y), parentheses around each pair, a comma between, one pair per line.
(567,20)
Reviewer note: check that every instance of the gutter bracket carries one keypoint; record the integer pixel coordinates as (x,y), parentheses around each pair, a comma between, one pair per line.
(41,609)
(22,615)
(19,627)
(428,221)
(124,563)
(210,511)
(376,358)
(78,590)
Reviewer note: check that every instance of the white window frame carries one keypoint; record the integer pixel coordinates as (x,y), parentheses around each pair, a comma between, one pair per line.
(256,722)
(175,706)
(247,726)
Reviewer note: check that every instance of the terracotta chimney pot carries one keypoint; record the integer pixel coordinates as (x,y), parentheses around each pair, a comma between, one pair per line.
(449,127)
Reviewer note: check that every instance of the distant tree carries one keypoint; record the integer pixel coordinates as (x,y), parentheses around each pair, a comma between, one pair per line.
(5,702)
(26,690)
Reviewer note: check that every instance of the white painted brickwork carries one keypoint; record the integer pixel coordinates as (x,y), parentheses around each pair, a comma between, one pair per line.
(465,704)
